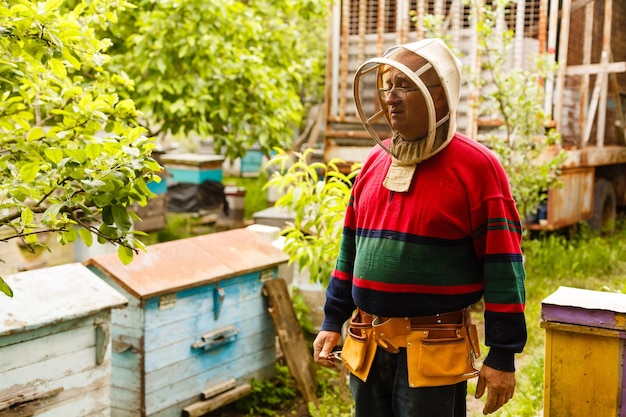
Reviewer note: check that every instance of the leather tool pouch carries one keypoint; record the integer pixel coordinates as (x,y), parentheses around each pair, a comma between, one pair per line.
(359,348)
(437,354)
(440,354)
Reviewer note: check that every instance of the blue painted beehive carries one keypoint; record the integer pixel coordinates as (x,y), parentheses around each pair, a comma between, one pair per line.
(196,320)
(251,162)
(55,343)
(193,168)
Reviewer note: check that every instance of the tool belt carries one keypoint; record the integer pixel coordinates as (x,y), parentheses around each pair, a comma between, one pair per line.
(440,349)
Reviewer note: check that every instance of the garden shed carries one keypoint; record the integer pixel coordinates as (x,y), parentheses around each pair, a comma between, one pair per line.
(197,327)
(55,343)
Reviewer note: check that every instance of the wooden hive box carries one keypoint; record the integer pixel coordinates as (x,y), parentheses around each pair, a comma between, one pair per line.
(55,343)
(193,168)
(196,321)
(585,353)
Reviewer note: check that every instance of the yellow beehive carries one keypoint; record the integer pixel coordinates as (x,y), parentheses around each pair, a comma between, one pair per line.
(584,363)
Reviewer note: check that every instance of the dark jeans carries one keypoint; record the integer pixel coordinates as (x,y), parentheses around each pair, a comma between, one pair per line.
(387,394)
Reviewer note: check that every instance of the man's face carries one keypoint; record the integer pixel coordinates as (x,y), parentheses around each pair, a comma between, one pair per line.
(409,116)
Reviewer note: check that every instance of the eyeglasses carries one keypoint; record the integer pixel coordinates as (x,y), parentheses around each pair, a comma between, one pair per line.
(400,92)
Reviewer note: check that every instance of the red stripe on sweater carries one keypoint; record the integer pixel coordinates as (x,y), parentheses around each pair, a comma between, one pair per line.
(418,288)
(343,276)
(504,308)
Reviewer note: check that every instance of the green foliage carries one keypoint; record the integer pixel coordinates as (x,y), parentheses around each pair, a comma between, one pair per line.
(530,153)
(302,311)
(579,257)
(270,394)
(317,194)
(235,72)
(72,156)
(273,396)
(333,392)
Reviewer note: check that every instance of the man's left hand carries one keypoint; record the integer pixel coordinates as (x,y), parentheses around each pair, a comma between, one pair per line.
(500,387)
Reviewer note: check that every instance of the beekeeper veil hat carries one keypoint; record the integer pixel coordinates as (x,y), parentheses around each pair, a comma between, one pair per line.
(425,63)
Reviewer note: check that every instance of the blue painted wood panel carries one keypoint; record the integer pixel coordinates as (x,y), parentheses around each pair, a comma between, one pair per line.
(195,176)
(200,362)
(179,350)
(173,368)
(180,391)
(172,304)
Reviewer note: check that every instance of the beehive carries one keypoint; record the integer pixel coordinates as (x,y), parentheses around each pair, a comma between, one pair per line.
(196,320)
(55,343)
(193,168)
(585,353)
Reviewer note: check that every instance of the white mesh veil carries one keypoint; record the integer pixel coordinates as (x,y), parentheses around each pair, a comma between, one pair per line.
(373,111)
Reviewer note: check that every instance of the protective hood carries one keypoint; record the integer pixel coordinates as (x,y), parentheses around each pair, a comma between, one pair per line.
(425,63)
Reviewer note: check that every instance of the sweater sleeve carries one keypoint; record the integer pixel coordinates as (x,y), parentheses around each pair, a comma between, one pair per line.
(339,304)
(497,235)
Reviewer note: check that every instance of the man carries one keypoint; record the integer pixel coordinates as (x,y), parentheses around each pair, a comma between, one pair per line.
(431,228)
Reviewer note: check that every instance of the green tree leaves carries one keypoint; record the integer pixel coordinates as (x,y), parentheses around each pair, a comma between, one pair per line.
(85,85)
(232,72)
(70,147)
(529,151)
(317,194)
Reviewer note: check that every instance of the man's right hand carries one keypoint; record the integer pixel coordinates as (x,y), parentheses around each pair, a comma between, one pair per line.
(323,346)
(500,387)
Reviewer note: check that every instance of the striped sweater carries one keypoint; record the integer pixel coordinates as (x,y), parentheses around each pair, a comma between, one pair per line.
(453,238)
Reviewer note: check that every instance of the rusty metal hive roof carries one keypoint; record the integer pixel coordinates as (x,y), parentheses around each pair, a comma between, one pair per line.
(186,263)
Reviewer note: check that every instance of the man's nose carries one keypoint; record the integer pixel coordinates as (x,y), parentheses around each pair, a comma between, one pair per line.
(392,97)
